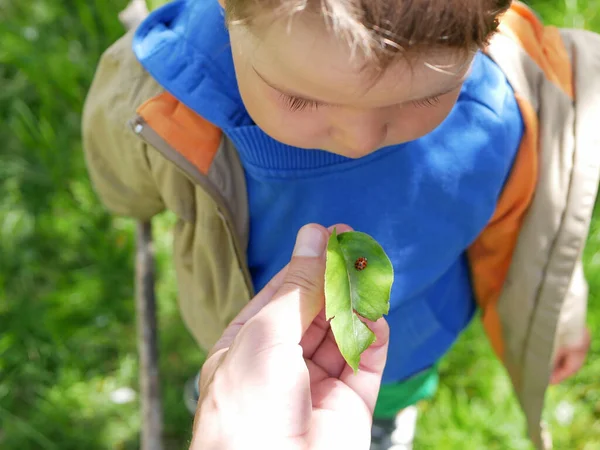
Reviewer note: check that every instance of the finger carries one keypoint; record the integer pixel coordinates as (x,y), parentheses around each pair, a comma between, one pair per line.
(340,228)
(216,354)
(301,296)
(277,282)
(319,344)
(314,335)
(318,329)
(259,301)
(567,365)
(328,357)
(558,370)
(569,360)
(207,372)
(249,311)
(372,362)
(265,354)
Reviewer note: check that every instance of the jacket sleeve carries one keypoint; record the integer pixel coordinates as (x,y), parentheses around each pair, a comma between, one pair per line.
(117,160)
(585,54)
(573,314)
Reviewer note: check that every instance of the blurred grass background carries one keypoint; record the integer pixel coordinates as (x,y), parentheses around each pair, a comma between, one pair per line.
(67,323)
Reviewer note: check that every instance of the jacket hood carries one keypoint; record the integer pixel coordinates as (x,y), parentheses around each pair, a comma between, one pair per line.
(178,45)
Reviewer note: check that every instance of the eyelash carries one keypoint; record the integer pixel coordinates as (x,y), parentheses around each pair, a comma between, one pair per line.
(297,104)
(427,102)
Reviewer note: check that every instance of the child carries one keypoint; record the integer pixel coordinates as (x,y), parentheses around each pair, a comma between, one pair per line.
(251,119)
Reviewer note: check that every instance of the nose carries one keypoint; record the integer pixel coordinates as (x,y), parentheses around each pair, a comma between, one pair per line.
(360,134)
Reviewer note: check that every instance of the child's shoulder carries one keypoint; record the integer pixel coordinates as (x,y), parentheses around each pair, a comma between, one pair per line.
(488,86)
(121,84)
(487,103)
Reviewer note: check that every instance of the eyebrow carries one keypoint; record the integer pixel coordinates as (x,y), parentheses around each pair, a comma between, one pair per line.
(310,99)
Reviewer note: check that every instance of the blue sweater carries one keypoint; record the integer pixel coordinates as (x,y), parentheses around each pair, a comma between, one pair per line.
(425,201)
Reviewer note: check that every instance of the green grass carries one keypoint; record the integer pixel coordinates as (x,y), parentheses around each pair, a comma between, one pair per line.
(67,322)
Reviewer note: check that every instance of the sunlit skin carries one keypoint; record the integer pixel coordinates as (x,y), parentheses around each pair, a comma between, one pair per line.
(301,85)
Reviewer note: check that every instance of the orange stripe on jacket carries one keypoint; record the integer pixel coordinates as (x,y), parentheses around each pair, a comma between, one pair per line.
(543,44)
(491,254)
(188,133)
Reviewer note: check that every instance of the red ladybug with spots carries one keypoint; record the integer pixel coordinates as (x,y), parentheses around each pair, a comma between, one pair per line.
(360,263)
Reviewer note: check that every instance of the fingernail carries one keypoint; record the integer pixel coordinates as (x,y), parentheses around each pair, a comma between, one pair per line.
(310,242)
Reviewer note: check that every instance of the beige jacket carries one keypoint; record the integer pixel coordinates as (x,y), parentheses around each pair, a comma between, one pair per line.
(147,152)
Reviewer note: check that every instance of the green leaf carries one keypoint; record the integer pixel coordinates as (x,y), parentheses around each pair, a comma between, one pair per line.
(350,292)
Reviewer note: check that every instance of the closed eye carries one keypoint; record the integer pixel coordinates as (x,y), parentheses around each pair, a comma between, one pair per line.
(427,102)
(296,104)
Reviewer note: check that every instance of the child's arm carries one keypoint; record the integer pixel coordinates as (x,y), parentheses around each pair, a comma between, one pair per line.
(119,163)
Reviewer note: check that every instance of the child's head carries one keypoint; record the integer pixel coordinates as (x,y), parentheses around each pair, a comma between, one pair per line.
(352,76)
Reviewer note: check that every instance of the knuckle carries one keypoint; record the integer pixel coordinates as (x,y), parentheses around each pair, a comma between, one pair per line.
(304,279)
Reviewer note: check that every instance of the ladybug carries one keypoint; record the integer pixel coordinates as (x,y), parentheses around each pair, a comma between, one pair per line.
(360,263)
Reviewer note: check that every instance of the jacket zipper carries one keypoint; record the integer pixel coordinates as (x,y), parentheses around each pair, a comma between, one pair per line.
(148,135)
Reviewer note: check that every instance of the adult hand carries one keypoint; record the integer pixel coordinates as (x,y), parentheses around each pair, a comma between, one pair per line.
(276,378)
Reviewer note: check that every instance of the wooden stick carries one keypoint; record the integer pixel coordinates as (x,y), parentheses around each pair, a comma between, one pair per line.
(147,340)
(145,301)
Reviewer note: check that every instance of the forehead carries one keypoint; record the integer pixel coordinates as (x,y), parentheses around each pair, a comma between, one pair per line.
(301,54)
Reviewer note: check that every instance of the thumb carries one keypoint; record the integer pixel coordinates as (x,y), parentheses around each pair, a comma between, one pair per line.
(301,296)
(283,310)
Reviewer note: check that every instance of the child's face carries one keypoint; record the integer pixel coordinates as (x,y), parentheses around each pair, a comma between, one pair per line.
(302,88)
